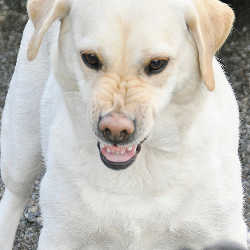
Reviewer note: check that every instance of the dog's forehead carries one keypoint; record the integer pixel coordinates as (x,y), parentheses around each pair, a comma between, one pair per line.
(111,22)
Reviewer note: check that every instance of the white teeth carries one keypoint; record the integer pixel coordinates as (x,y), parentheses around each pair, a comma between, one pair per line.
(116,151)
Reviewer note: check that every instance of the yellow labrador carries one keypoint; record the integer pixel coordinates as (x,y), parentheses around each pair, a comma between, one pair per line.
(136,122)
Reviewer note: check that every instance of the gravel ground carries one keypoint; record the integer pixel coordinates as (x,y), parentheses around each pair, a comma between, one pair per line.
(235,56)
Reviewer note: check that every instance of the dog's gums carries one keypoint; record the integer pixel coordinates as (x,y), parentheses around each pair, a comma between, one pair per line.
(118,157)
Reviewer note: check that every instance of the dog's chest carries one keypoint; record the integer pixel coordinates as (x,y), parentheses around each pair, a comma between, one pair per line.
(121,223)
(126,222)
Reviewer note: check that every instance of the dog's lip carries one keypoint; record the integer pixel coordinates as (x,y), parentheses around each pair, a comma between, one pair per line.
(116,165)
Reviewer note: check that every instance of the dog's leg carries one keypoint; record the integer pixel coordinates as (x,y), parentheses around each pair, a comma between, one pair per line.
(20,136)
(49,240)
(11,208)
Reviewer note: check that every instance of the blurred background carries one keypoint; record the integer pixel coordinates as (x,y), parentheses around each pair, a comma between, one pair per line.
(235,56)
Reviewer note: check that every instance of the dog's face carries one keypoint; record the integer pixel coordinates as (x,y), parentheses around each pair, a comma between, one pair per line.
(130,60)
(127,66)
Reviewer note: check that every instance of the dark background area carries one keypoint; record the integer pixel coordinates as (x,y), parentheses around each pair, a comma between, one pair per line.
(242,10)
(235,56)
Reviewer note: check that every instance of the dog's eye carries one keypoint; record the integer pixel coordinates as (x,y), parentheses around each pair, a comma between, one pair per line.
(92,61)
(156,66)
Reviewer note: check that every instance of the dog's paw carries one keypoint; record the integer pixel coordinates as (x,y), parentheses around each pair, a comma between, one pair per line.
(221,246)
(226,246)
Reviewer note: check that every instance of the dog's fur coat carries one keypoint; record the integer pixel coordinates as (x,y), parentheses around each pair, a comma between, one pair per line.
(184,190)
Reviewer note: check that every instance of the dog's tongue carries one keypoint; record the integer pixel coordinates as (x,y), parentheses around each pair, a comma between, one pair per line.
(118,153)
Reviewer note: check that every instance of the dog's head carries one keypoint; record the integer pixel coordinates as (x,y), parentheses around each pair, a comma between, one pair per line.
(129,59)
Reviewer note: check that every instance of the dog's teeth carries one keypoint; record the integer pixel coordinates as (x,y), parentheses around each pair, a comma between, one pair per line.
(130,148)
(108,150)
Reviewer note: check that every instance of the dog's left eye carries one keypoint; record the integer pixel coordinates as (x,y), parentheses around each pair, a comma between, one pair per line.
(92,61)
(156,66)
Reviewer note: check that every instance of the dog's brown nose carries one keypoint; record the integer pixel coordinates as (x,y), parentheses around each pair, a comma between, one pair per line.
(116,127)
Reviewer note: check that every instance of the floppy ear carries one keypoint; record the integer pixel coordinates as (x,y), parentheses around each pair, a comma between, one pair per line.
(210,23)
(43,13)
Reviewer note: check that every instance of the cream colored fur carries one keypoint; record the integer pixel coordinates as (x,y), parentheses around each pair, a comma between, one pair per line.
(184,190)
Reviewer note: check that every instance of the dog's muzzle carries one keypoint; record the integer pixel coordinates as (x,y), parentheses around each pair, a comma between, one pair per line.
(117,131)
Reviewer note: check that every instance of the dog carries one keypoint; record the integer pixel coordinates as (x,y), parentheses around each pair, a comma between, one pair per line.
(135,121)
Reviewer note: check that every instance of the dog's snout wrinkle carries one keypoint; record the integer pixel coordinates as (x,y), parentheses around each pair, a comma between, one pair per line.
(118,102)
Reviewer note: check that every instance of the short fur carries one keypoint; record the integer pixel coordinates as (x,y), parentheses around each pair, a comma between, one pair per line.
(184,190)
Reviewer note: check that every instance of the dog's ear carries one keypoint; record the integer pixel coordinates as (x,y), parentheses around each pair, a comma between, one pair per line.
(210,22)
(43,13)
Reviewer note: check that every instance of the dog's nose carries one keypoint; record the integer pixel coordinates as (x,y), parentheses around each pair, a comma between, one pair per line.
(116,127)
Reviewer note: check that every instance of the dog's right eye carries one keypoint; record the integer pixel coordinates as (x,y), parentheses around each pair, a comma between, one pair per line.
(91,60)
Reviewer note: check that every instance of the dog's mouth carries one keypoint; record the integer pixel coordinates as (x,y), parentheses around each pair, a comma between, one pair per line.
(118,157)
